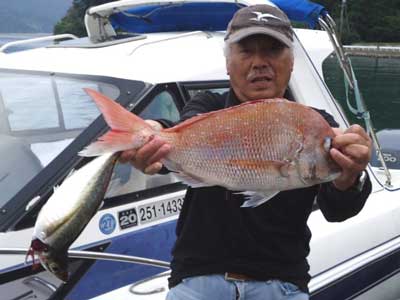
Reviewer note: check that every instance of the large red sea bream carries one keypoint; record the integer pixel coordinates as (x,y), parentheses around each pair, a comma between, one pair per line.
(258,148)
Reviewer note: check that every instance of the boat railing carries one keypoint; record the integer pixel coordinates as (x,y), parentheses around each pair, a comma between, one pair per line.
(373,50)
(328,24)
(97,256)
(166,39)
(39,39)
(102,256)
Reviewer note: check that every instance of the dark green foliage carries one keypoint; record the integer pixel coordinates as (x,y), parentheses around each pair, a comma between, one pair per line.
(367,20)
(73,22)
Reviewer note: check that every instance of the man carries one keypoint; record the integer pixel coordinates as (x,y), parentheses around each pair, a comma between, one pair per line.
(224,251)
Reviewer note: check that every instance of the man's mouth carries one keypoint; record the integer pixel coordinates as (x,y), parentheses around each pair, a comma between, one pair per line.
(260,79)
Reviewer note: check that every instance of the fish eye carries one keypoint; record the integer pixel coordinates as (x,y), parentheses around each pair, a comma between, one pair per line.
(327,144)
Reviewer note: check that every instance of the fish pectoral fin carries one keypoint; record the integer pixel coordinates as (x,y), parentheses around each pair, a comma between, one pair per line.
(284,169)
(190,180)
(254,199)
(172,166)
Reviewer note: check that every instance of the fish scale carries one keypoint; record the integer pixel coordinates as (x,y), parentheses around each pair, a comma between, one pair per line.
(273,141)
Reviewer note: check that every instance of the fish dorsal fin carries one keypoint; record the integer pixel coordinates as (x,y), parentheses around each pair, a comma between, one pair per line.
(203,116)
(190,121)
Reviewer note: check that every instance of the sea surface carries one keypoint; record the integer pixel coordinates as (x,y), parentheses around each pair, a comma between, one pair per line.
(379,83)
(378,79)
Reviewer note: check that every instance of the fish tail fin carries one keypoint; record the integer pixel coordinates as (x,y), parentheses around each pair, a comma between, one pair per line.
(128,131)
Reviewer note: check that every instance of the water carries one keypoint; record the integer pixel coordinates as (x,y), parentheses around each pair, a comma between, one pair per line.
(379,82)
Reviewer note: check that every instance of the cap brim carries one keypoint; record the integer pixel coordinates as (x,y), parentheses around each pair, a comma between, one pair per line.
(245,32)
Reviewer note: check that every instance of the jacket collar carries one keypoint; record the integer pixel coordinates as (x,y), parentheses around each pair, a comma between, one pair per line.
(231,99)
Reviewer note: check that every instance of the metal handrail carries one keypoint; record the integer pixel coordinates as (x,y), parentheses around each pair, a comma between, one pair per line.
(183,35)
(133,287)
(97,256)
(40,281)
(338,50)
(40,39)
(330,27)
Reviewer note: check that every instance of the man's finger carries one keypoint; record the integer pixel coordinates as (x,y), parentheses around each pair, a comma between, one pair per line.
(127,155)
(337,131)
(148,150)
(359,153)
(355,128)
(345,139)
(160,153)
(153,168)
(342,160)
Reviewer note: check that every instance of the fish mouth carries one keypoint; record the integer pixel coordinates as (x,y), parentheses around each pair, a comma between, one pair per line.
(55,262)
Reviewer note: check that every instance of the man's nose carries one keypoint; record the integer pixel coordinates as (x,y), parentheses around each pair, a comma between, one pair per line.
(260,60)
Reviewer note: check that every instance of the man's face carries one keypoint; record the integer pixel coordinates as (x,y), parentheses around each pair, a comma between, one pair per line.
(259,67)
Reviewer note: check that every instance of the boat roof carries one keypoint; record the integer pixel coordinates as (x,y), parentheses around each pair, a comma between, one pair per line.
(152,58)
(143,16)
(164,41)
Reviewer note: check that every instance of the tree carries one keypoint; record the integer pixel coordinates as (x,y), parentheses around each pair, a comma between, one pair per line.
(73,22)
(368,20)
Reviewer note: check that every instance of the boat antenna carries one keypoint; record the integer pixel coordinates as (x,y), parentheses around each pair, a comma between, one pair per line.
(343,11)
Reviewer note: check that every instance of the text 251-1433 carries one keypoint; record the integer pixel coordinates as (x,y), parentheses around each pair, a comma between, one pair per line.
(159,210)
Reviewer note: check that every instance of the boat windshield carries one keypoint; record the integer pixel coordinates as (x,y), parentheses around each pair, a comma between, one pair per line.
(40,114)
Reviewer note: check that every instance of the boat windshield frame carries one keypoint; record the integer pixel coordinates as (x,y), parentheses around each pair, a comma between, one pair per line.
(37,188)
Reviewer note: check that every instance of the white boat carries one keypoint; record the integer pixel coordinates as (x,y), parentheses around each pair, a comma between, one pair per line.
(46,118)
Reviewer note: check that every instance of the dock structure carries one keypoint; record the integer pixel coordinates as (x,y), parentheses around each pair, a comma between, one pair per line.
(373,51)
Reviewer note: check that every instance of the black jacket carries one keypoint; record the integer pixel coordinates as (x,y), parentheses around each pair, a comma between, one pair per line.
(215,235)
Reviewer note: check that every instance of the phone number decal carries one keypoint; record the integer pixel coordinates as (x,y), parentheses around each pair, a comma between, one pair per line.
(159,210)
(149,212)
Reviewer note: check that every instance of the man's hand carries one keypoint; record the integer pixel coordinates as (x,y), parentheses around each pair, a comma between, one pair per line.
(147,158)
(351,150)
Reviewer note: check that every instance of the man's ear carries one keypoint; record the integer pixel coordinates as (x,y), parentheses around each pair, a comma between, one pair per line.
(227,65)
(292,64)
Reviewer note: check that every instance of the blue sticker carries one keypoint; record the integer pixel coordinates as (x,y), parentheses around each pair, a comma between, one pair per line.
(107,224)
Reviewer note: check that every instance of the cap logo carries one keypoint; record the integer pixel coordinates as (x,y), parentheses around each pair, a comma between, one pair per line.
(263,17)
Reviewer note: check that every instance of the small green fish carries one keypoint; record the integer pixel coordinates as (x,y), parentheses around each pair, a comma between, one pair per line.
(68,211)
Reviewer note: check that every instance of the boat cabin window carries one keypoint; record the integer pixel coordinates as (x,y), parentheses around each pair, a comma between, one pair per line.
(127,179)
(162,107)
(193,92)
(40,115)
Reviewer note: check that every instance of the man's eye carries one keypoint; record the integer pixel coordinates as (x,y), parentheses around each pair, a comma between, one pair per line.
(276,48)
(245,52)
